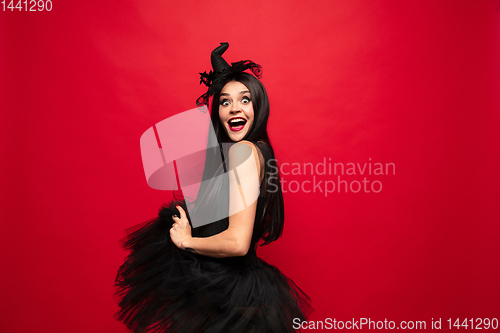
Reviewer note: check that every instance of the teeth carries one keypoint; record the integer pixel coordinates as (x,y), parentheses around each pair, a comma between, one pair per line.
(237,119)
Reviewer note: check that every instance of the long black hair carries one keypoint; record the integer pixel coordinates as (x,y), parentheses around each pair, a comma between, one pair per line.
(269,219)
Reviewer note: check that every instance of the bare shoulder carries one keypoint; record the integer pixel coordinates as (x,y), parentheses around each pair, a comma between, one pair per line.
(242,150)
(244,142)
(243,147)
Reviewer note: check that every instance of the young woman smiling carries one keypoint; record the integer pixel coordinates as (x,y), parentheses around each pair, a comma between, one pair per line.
(178,278)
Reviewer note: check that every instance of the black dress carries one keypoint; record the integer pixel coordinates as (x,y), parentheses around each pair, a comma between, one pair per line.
(164,289)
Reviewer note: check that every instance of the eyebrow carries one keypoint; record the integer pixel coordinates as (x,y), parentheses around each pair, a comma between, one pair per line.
(241,92)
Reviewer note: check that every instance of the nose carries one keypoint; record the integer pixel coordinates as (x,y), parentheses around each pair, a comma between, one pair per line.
(236,110)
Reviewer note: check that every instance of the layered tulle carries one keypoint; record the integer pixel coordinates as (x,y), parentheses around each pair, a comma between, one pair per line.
(163,289)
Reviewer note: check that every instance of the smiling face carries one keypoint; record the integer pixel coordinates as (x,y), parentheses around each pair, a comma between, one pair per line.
(236,110)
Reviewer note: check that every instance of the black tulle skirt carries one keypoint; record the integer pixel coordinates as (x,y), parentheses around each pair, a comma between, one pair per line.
(161,288)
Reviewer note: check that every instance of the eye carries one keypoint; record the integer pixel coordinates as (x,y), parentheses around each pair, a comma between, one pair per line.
(246,100)
(224,102)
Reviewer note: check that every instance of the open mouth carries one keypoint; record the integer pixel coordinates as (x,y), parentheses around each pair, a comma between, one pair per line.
(236,124)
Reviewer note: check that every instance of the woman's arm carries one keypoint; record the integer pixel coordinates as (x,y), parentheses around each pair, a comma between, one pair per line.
(244,183)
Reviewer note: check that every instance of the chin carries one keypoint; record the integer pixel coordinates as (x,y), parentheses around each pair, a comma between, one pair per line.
(236,136)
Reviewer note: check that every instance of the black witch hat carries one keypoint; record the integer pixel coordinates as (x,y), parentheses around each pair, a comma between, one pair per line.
(216,79)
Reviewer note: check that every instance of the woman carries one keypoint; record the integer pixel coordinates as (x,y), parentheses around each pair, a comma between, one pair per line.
(209,279)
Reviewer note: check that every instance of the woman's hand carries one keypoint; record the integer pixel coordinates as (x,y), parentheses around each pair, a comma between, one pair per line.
(181,230)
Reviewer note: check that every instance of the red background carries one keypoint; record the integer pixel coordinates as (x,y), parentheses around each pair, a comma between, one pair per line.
(406,82)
